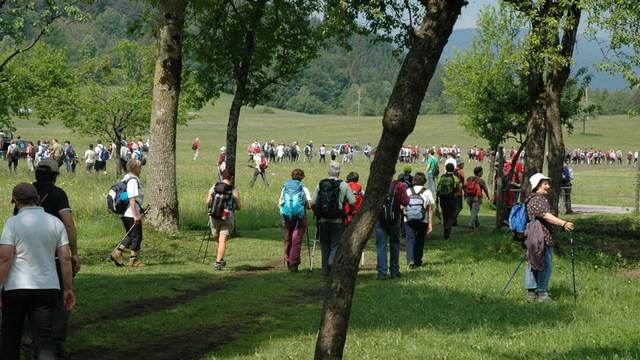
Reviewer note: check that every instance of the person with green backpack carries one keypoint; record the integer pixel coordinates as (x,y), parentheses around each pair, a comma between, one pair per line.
(448,186)
(294,202)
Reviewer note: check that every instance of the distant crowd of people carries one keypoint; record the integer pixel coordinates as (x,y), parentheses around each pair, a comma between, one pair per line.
(598,157)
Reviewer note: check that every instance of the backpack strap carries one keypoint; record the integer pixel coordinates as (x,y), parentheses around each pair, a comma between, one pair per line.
(413,192)
(422,191)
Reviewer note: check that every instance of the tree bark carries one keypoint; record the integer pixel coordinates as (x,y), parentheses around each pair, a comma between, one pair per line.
(556,80)
(398,122)
(536,128)
(161,188)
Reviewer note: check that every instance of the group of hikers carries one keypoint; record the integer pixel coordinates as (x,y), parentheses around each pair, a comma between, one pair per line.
(598,157)
(94,158)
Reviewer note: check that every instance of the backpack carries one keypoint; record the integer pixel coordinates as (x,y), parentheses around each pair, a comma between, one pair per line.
(294,200)
(357,193)
(328,200)
(263,163)
(221,200)
(415,210)
(406,179)
(104,154)
(446,186)
(472,188)
(71,152)
(435,171)
(518,221)
(194,146)
(390,208)
(117,198)
(567,174)
(13,152)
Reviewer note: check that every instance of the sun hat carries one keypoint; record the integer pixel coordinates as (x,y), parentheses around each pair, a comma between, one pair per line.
(224,148)
(535,179)
(24,192)
(48,164)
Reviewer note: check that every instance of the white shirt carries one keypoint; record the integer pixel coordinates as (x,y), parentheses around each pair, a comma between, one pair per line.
(134,190)
(36,236)
(427,196)
(99,149)
(90,156)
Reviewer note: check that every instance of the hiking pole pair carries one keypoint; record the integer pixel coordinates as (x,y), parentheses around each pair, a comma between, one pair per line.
(142,214)
(207,235)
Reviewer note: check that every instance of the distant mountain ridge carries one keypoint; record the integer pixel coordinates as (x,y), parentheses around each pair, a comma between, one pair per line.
(587,53)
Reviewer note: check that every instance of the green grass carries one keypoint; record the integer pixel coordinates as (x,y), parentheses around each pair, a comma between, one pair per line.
(179,308)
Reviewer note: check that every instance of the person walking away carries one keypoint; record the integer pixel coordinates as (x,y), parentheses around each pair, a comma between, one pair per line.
(565,187)
(57,152)
(473,189)
(125,154)
(89,159)
(448,186)
(27,272)
(358,193)
(367,153)
(55,202)
(459,172)
(387,230)
(31,156)
(12,156)
(259,167)
(195,147)
(295,200)
(418,219)
(540,263)
(69,156)
(132,217)
(334,154)
(432,170)
(222,162)
(102,155)
(323,153)
(327,203)
(223,200)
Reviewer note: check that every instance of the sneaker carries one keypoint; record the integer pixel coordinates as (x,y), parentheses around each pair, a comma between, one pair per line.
(116,257)
(218,266)
(396,276)
(135,263)
(412,265)
(293,268)
(532,296)
(544,297)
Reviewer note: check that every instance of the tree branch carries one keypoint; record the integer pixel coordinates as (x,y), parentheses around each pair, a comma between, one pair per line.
(521,5)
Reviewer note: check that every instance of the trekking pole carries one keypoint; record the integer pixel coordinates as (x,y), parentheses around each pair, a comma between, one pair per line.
(207,235)
(573,268)
(142,214)
(313,252)
(514,274)
(308,244)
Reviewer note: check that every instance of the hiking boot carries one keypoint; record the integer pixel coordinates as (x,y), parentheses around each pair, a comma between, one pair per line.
(396,276)
(412,265)
(532,296)
(218,266)
(293,268)
(544,297)
(134,262)
(116,257)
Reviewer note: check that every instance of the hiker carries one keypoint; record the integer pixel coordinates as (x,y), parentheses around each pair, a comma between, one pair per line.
(260,164)
(125,154)
(358,193)
(323,153)
(294,200)
(308,151)
(473,189)
(223,200)
(327,203)
(132,217)
(55,202)
(12,156)
(432,170)
(367,153)
(418,219)
(387,230)
(27,272)
(459,172)
(69,157)
(565,187)
(540,263)
(89,159)
(222,162)
(101,157)
(448,186)
(57,152)
(31,156)
(195,147)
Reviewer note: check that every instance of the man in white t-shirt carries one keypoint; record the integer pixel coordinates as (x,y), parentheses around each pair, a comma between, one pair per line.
(89,159)
(416,228)
(28,274)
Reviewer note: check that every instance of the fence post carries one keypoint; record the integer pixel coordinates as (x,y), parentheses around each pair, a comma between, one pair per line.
(638,186)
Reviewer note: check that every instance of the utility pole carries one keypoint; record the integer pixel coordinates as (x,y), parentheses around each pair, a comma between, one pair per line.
(586,117)
(358,119)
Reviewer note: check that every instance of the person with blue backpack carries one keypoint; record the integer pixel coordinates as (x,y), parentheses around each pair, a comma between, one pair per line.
(540,247)
(295,200)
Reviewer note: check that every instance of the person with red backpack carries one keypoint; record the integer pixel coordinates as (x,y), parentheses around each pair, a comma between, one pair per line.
(259,167)
(358,193)
(459,172)
(473,189)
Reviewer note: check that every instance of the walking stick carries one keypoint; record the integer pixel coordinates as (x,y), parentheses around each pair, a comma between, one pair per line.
(313,252)
(514,274)
(308,244)
(142,214)
(573,267)
(207,235)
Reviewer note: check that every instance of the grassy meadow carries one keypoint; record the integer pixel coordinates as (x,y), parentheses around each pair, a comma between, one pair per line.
(177,307)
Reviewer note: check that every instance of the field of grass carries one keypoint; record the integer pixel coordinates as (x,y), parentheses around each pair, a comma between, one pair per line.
(177,307)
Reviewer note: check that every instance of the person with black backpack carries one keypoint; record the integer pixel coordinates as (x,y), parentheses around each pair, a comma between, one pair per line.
(328,204)
(448,186)
(222,200)
(294,202)
(418,219)
(387,230)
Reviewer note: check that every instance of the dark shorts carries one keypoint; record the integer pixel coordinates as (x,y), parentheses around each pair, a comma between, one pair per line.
(101,166)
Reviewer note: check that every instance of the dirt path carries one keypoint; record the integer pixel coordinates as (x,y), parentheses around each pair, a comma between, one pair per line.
(600,209)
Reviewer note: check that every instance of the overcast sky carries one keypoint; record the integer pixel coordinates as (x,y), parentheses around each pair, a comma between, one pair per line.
(470,12)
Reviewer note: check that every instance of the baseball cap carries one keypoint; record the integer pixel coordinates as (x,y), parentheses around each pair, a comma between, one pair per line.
(24,192)
(407,169)
(48,164)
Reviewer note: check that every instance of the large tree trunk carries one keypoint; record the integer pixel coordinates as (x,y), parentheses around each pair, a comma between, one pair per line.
(161,189)
(398,122)
(232,125)
(556,79)
(536,129)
